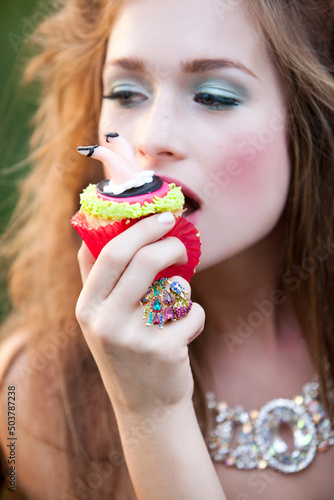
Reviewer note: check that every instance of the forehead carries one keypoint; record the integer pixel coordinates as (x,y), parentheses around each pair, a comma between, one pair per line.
(186,29)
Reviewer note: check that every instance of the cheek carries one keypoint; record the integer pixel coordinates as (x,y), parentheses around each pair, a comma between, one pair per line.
(245,196)
(247,190)
(263,177)
(256,170)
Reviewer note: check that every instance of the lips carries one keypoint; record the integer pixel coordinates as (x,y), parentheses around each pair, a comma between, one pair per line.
(192,202)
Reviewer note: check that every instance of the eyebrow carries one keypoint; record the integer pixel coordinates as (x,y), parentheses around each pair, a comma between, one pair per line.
(130,63)
(203,65)
(195,66)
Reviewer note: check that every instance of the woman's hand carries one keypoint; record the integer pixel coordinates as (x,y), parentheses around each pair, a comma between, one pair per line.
(140,366)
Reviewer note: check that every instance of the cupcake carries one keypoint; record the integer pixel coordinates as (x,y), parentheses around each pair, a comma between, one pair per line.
(112,206)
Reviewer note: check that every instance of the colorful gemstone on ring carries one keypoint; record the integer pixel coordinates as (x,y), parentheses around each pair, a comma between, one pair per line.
(157,306)
(165,301)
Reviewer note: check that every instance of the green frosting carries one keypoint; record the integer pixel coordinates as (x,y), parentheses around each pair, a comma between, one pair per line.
(91,204)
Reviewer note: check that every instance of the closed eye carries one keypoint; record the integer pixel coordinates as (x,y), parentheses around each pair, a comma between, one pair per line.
(214,101)
(126,98)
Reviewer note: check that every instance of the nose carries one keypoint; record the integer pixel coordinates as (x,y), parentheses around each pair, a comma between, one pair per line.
(161,137)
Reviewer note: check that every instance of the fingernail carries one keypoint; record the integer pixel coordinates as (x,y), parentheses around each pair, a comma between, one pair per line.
(112,135)
(87,150)
(166,218)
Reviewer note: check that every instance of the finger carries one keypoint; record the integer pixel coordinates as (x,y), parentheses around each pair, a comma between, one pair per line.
(86,261)
(184,283)
(145,265)
(118,253)
(165,301)
(119,171)
(187,329)
(122,148)
(179,333)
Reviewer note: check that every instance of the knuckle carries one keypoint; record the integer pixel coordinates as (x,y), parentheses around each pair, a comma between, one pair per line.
(179,249)
(81,313)
(163,252)
(85,313)
(199,314)
(99,327)
(200,311)
(111,257)
(145,257)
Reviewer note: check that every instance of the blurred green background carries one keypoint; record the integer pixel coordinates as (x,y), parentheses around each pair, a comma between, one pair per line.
(17,20)
(16,102)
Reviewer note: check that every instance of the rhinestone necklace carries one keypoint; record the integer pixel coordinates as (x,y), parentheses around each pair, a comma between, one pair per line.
(251,439)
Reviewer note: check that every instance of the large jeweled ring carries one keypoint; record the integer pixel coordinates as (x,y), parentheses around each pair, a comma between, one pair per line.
(164,301)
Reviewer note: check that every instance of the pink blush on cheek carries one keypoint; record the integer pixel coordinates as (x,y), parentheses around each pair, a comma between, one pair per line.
(259,180)
(244,178)
(234,176)
(234,167)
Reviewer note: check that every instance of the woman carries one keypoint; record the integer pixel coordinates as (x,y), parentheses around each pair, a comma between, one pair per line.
(233,101)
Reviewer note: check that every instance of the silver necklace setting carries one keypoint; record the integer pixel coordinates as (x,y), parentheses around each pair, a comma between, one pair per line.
(251,439)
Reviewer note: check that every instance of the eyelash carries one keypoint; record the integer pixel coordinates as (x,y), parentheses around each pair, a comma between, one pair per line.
(223,102)
(127,99)
(121,97)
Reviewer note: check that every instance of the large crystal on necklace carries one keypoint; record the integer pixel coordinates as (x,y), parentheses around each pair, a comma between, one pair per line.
(249,439)
(273,448)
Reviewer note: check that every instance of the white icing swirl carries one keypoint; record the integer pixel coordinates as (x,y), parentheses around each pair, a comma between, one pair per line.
(141,178)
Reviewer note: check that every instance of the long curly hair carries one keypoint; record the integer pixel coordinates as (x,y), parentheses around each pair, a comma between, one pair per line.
(44,281)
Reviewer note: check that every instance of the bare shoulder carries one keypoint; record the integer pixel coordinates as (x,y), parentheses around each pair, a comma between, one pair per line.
(12,353)
(35,432)
(9,349)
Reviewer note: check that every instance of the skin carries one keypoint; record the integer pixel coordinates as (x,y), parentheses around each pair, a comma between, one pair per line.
(233,157)
(230,157)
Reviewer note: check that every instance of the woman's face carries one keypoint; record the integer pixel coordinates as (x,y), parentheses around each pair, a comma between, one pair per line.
(192,87)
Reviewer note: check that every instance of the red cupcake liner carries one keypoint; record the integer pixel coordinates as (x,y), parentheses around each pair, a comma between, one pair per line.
(96,239)
(188,234)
